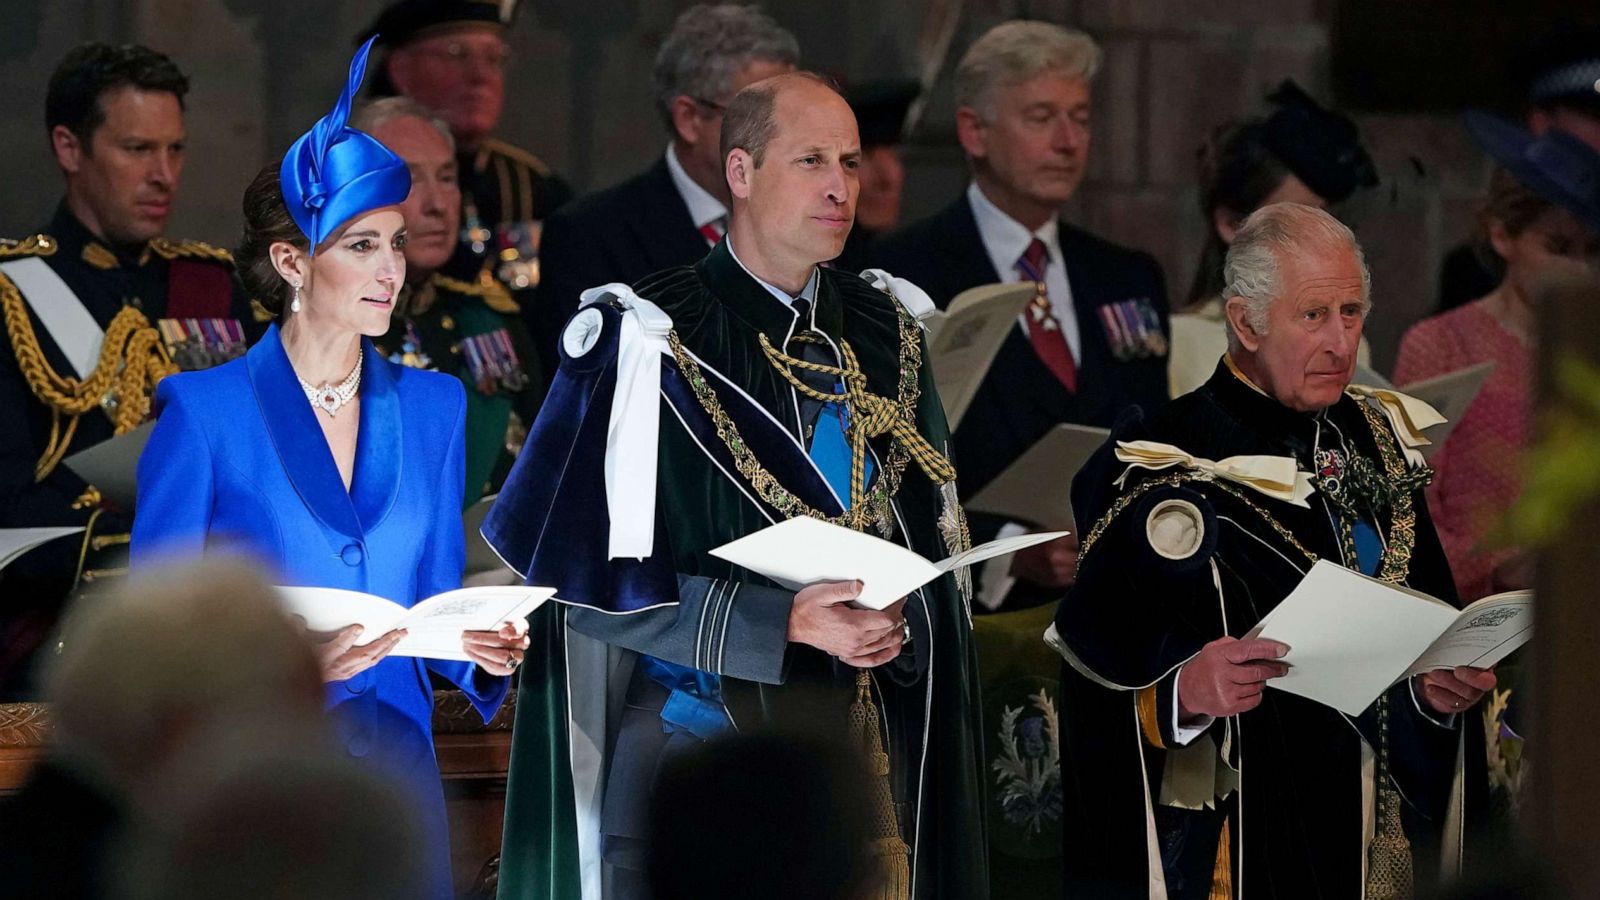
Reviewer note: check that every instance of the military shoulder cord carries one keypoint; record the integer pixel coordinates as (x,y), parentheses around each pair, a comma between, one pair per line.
(871,416)
(132,360)
(1390,873)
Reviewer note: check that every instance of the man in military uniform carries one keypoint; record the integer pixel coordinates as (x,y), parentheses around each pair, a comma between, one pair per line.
(468,328)
(97,307)
(450,56)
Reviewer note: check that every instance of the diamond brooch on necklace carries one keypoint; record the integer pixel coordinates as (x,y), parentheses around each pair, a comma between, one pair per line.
(330,397)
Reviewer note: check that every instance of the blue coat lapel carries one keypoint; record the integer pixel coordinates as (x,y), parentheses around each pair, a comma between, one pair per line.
(303,452)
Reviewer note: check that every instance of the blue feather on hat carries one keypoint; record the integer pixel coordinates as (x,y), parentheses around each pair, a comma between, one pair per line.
(334,173)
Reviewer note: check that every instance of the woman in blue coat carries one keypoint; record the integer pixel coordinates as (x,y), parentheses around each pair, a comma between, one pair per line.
(329,464)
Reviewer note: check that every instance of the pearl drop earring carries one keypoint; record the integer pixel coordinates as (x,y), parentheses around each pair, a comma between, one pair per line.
(294,305)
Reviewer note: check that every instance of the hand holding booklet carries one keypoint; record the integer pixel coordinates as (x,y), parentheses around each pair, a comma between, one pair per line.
(1351,637)
(433,626)
(802,551)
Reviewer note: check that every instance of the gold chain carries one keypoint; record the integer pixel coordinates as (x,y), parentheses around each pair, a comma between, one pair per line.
(1173,479)
(873,505)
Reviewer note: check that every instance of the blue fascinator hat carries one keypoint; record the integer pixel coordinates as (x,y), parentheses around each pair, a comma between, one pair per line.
(334,173)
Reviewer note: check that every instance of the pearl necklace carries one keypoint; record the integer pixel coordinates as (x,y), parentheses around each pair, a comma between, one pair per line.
(329,397)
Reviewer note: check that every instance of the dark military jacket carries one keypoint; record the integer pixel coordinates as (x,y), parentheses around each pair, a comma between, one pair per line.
(473,331)
(191,313)
(506,194)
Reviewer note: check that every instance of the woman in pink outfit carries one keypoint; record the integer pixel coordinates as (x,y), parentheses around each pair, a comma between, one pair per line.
(1542,215)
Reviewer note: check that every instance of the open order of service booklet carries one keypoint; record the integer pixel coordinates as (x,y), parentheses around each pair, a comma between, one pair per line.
(1037,488)
(433,626)
(1351,637)
(801,551)
(964,338)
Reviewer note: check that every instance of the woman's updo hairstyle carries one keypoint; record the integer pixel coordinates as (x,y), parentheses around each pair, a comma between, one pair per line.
(266,222)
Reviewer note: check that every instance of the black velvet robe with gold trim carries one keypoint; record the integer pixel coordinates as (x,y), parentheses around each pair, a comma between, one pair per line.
(1296,822)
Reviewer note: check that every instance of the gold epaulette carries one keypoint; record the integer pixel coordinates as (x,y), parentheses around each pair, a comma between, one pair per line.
(513,153)
(494,294)
(33,245)
(169,249)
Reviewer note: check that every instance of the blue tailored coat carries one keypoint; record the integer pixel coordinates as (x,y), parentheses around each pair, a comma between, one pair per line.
(238,461)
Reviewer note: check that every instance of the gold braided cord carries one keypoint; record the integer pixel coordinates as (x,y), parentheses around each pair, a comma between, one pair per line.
(33,245)
(874,507)
(133,359)
(870,415)
(170,249)
(494,293)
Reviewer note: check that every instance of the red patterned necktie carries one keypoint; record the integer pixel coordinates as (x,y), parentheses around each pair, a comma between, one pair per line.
(1043,330)
(713,231)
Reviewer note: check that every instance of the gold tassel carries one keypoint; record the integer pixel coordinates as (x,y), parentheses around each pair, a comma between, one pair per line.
(893,856)
(1389,866)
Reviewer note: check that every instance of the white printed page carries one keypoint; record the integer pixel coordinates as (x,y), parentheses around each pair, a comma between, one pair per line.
(433,626)
(963,344)
(1485,633)
(803,551)
(1350,637)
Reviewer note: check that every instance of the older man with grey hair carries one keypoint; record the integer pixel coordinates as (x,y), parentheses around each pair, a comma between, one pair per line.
(673,212)
(1179,564)
(469,329)
(1094,341)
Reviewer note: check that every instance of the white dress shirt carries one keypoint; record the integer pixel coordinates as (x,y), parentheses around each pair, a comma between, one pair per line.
(1005,239)
(703,207)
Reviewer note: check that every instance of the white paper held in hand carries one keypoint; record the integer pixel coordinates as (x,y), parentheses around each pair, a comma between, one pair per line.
(433,626)
(1351,636)
(803,551)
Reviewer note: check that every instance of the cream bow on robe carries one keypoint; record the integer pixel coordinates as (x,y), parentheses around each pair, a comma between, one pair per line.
(1277,477)
(1407,416)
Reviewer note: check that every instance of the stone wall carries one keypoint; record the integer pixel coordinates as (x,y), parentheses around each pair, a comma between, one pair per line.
(579,97)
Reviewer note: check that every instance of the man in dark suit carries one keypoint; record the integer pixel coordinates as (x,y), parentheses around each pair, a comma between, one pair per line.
(673,212)
(1094,342)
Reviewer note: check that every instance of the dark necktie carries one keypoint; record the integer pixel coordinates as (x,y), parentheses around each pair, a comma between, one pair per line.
(1043,330)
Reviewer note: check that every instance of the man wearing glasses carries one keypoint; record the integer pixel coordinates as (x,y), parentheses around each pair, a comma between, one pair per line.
(450,56)
(673,212)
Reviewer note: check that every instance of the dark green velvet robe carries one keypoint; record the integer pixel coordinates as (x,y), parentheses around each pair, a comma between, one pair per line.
(929,695)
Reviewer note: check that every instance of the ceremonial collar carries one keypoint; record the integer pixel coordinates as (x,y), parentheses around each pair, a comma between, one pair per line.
(76,241)
(303,451)
(743,295)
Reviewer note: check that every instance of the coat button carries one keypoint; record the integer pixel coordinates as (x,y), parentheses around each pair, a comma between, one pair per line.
(352,554)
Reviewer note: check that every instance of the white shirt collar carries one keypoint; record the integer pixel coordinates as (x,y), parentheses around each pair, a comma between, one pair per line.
(703,207)
(1005,238)
(808,293)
